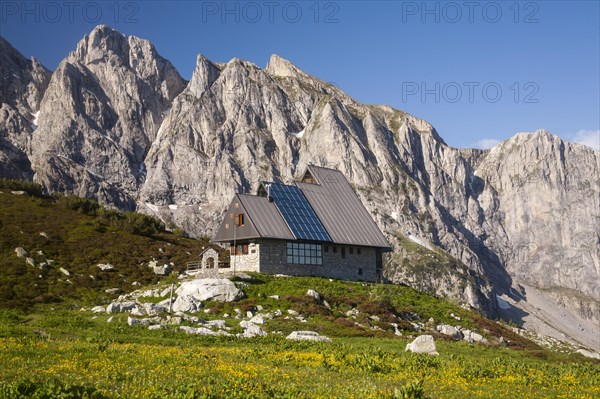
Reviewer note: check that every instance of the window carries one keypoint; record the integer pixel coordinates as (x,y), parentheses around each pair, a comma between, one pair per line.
(304,253)
(240,219)
(358,251)
(360,271)
(326,248)
(351,250)
(334,249)
(239,249)
(343,252)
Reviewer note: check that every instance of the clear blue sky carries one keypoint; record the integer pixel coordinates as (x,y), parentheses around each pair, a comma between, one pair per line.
(476,70)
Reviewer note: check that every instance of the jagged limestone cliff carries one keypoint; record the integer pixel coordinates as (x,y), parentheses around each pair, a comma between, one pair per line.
(117,123)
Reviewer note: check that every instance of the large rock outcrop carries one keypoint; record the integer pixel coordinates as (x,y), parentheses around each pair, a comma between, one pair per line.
(22,85)
(101,111)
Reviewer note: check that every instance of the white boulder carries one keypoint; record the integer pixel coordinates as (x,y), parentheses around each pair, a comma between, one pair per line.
(21,253)
(251,330)
(308,336)
(315,295)
(106,267)
(449,330)
(187,304)
(218,289)
(423,344)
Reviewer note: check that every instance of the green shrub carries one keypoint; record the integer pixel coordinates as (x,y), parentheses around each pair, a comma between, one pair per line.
(46,390)
(29,187)
(413,390)
(140,224)
(82,205)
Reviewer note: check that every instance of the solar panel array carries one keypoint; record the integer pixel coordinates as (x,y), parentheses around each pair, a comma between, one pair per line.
(298,213)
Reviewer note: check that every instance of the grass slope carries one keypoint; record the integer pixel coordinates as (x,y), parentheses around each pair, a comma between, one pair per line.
(57,237)
(55,351)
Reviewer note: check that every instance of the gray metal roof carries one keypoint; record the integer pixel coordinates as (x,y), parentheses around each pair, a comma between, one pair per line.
(265,217)
(340,210)
(333,200)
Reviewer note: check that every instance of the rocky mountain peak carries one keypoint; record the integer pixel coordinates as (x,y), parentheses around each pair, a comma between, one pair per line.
(100,43)
(278,66)
(205,73)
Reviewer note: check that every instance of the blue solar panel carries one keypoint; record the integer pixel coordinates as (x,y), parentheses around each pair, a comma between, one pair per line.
(298,213)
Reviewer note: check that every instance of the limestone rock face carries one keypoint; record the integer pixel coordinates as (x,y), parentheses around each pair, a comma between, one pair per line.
(118,124)
(22,85)
(101,111)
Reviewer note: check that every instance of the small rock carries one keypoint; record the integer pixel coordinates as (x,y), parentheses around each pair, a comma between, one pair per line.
(278,313)
(186,303)
(203,331)
(249,314)
(50,262)
(174,320)
(258,319)
(307,336)
(45,235)
(423,344)
(220,324)
(449,330)
(64,271)
(226,315)
(15,192)
(137,311)
(110,319)
(471,336)
(251,330)
(156,327)
(292,312)
(40,252)
(276,297)
(259,308)
(163,270)
(315,295)
(31,262)
(116,307)
(113,291)
(106,267)
(132,321)
(154,308)
(98,309)
(352,312)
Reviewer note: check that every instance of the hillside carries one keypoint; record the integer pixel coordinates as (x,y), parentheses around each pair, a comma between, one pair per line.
(77,235)
(208,353)
(66,336)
